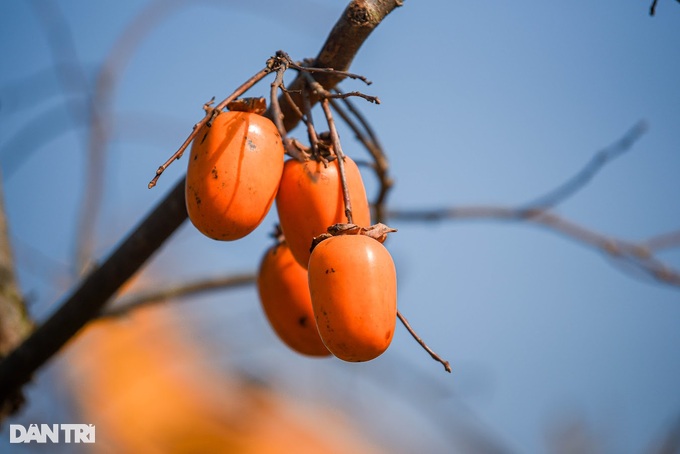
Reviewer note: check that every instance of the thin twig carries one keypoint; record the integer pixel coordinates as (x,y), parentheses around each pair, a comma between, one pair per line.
(663,241)
(596,163)
(652,9)
(359,20)
(209,115)
(133,302)
(370,141)
(337,147)
(633,253)
(343,74)
(356,94)
(422,343)
(309,122)
(276,115)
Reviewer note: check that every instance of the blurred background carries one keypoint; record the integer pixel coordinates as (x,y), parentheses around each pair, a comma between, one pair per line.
(555,345)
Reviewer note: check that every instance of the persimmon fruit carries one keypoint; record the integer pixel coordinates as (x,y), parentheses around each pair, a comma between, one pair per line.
(310,199)
(233,174)
(353,285)
(286,301)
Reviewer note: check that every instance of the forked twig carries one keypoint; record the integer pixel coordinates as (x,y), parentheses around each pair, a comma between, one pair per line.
(311,69)
(210,112)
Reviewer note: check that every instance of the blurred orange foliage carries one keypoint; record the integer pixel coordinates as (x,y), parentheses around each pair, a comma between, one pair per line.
(148,388)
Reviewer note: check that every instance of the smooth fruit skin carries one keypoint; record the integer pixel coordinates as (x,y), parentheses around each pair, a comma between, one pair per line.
(284,295)
(310,200)
(233,174)
(353,283)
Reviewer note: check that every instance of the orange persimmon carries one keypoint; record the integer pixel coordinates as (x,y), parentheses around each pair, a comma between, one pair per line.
(233,174)
(353,283)
(284,295)
(310,199)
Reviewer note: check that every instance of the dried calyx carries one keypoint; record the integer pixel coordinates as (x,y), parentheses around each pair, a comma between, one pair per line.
(377,231)
(253,105)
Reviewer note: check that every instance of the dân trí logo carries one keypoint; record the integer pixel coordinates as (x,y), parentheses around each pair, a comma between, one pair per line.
(55,433)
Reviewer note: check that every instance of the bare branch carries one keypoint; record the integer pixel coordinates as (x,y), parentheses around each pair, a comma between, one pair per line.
(210,114)
(125,305)
(15,323)
(344,74)
(663,241)
(583,177)
(337,148)
(370,141)
(636,254)
(358,20)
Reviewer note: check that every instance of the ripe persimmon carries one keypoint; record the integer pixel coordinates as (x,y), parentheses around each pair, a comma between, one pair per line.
(353,283)
(233,174)
(310,199)
(284,295)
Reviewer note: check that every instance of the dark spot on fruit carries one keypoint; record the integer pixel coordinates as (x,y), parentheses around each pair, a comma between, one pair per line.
(251,144)
(214,172)
(195,156)
(330,271)
(303,320)
(198,199)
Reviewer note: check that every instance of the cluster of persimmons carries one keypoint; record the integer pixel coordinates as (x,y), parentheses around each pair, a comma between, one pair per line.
(327,286)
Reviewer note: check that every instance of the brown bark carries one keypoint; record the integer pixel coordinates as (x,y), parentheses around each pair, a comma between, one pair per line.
(15,324)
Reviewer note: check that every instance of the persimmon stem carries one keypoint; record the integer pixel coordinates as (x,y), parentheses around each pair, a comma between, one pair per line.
(370,141)
(210,113)
(277,115)
(422,343)
(335,139)
(309,122)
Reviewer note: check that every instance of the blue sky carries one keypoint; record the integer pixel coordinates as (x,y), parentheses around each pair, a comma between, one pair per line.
(483,103)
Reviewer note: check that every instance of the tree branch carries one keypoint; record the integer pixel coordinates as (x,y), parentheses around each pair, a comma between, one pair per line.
(639,254)
(357,22)
(583,177)
(15,324)
(126,305)
(93,292)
